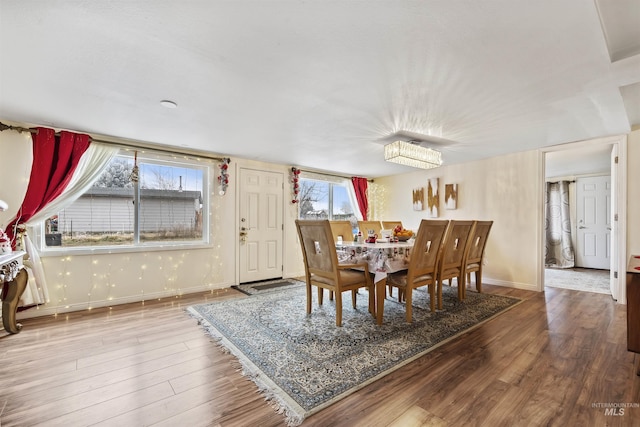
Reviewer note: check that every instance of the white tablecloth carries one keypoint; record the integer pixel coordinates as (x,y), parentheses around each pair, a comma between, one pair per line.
(382,258)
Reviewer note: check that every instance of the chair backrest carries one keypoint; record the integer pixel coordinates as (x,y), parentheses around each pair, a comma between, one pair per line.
(318,248)
(426,252)
(455,245)
(342,228)
(478,241)
(390,225)
(364,226)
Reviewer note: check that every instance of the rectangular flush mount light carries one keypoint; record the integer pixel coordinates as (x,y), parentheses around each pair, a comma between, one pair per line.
(408,154)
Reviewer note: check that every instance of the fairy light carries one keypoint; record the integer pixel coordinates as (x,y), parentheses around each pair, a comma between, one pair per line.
(105,271)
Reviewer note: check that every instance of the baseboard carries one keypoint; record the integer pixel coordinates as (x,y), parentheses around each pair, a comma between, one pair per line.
(52,311)
(508,284)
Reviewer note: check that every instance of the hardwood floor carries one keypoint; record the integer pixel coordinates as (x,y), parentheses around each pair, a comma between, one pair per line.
(555,359)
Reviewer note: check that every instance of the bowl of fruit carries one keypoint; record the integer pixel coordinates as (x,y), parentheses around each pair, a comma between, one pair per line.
(402,234)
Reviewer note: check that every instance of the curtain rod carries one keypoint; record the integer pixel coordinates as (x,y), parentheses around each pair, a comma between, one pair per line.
(149,147)
(330,174)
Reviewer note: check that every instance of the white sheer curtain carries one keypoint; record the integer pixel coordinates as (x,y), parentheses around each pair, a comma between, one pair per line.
(92,164)
(558,247)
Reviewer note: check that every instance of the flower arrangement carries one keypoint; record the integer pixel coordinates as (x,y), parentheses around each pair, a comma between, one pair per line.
(295,178)
(223,178)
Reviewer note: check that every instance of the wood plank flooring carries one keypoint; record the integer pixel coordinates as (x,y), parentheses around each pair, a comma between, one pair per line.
(553,360)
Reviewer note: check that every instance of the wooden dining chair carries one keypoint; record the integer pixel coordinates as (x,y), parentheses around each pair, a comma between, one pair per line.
(423,264)
(364,226)
(475,252)
(390,225)
(453,256)
(322,268)
(342,229)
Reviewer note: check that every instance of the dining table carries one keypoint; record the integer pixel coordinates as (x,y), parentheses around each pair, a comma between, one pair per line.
(382,258)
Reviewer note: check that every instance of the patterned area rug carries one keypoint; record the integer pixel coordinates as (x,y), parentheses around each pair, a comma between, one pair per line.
(305,363)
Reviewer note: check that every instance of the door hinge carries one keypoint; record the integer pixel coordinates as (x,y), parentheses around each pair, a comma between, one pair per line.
(615,217)
(615,274)
(615,160)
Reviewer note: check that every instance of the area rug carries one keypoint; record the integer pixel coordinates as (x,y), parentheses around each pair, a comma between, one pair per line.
(304,363)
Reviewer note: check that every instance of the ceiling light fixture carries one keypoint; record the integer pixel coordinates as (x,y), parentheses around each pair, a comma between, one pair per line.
(412,154)
(168,104)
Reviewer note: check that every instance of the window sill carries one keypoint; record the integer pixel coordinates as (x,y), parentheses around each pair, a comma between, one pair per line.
(99,250)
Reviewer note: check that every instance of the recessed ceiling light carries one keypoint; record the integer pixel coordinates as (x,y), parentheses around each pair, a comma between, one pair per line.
(168,104)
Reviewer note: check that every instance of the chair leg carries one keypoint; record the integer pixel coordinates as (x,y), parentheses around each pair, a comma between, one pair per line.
(354,293)
(372,300)
(409,296)
(479,280)
(439,294)
(308,298)
(432,297)
(320,295)
(338,308)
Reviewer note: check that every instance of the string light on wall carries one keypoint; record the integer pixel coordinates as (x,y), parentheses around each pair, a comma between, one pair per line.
(295,181)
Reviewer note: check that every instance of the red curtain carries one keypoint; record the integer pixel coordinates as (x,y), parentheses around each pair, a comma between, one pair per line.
(55,158)
(360,186)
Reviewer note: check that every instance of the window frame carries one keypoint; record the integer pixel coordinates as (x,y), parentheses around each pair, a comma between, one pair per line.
(333,181)
(153,158)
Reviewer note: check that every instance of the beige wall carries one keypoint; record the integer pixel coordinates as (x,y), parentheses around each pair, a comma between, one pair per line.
(77,282)
(505,189)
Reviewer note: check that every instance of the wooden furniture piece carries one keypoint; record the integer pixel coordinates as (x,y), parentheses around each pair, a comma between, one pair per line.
(390,225)
(453,255)
(475,252)
(633,307)
(342,229)
(423,265)
(382,259)
(322,268)
(14,279)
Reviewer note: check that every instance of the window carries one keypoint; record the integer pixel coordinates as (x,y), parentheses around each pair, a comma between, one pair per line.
(321,199)
(173,200)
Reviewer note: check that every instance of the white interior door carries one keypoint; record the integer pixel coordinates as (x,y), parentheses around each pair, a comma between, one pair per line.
(261,229)
(593,212)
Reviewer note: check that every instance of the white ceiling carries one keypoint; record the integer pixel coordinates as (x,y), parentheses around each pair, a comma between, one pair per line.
(321,84)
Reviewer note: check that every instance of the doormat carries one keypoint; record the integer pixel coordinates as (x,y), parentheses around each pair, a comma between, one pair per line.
(266,286)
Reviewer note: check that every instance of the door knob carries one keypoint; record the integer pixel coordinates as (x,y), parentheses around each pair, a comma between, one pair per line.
(243,234)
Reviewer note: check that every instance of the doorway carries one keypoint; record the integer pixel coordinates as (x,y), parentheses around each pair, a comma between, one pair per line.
(261,230)
(572,163)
